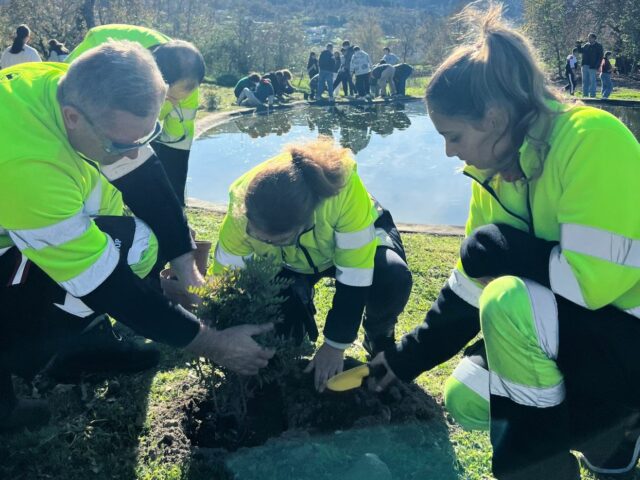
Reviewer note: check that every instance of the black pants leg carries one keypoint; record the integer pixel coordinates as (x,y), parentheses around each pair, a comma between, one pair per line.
(401,85)
(176,165)
(531,443)
(388,294)
(33,328)
(600,360)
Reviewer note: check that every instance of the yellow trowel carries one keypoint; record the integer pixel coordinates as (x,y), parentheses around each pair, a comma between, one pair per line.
(352,378)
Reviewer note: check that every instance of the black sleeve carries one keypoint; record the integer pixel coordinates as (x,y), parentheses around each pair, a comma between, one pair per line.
(343,320)
(150,196)
(135,303)
(450,324)
(495,250)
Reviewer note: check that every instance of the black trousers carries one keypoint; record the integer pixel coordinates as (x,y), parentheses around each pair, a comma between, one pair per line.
(571,86)
(176,164)
(347,83)
(363,84)
(32,328)
(386,299)
(401,84)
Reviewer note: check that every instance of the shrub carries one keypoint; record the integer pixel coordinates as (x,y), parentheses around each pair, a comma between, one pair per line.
(227,80)
(211,101)
(252,295)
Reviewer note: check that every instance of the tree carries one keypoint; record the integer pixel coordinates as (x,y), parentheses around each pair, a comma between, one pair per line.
(546,23)
(367,33)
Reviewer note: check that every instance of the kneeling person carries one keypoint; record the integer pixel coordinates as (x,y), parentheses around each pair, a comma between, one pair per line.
(308,209)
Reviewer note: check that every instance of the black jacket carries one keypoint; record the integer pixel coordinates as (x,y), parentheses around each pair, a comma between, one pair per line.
(326,61)
(592,55)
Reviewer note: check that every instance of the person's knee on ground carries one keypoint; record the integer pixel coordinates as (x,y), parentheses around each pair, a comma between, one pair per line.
(466,391)
(529,426)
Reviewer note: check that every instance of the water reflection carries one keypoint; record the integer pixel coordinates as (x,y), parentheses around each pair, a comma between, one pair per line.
(356,124)
(401,157)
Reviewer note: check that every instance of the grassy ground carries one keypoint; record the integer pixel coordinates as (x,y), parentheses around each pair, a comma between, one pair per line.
(113,428)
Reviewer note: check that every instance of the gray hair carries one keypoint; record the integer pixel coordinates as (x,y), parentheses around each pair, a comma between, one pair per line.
(113,76)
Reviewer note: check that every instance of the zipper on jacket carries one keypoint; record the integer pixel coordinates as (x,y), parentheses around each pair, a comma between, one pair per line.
(493,193)
(305,252)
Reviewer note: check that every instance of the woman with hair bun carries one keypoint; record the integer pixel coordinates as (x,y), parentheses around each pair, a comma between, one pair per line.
(308,209)
(549,271)
(19,51)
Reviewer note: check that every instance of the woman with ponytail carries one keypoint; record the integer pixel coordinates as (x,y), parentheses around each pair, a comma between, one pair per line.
(19,51)
(308,209)
(549,271)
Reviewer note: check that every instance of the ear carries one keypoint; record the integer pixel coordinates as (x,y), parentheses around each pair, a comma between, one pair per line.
(496,119)
(71,117)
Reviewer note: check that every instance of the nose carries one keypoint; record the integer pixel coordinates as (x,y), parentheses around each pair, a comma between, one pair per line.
(450,151)
(132,154)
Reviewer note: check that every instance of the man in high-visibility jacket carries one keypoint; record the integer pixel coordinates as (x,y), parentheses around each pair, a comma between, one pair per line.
(75,145)
(183,69)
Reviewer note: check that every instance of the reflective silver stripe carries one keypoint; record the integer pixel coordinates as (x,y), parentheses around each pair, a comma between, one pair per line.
(339,346)
(353,240)
(4,250)
(127,165)
(384,237)
(92,277)
(53,235)
(526,395)
(634,311)
(601,244)
(464,287)
(227,259)
(545,315)
(17,277)
(563,281)
(93,203)
(74,306)
(473,376)
(140,242)
(354,277)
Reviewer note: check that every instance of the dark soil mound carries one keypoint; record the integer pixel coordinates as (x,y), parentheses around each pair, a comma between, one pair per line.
(296,405)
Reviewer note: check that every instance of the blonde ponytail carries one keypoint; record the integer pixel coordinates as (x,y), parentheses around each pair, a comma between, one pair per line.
(498,69)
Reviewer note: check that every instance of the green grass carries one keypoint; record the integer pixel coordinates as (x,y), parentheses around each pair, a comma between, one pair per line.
(114,428)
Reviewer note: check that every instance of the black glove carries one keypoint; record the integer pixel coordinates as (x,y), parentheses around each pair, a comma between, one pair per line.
(495,250)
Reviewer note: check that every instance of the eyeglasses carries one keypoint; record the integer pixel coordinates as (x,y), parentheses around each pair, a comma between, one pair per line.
(283,241)
(115,148)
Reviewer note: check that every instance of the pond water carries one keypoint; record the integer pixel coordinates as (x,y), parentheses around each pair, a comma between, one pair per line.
(400,155)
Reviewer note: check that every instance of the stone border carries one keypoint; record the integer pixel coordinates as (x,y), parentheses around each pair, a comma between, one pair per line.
(618,102)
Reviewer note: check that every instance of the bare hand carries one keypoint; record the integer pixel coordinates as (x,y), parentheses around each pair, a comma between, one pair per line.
(233,348)
(187,275)
(379,384)
(327,362)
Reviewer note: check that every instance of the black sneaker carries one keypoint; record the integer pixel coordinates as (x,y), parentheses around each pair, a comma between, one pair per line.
(102,350)
(622,457)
